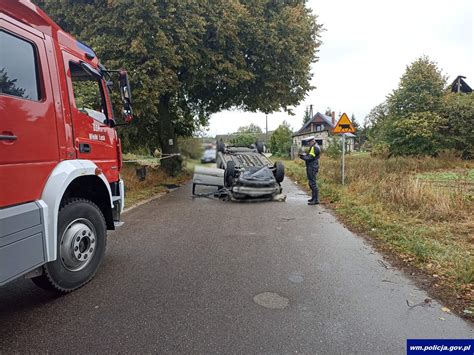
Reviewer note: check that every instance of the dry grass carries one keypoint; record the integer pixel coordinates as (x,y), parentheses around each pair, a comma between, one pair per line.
(397,183)
(400,202)
(156,182)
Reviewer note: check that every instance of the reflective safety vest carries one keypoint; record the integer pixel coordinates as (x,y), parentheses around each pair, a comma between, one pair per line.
(311,151)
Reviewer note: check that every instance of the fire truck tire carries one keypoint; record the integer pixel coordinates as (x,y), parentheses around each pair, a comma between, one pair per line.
(82,239)
(279,171)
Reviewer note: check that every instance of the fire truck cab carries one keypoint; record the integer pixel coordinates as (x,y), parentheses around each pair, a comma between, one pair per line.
(60,156)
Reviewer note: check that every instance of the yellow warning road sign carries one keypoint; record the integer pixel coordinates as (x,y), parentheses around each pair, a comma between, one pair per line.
(344,125)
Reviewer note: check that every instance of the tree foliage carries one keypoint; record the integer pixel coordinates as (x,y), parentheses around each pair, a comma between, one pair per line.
(189,59)
(281,140)
(458,112)
(9,86)
(251,128)
(306,117)
(334,149)
(246,135)
(244,139)
(421,89)
(421,117)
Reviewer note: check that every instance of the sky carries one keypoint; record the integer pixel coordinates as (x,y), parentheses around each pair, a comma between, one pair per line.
(367,45)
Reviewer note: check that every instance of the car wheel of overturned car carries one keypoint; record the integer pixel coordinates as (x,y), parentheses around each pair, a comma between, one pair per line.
(229,173)
(259,146)
(220,146)
(279,171)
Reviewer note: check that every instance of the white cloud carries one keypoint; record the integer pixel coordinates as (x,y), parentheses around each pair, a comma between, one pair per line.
(366,48)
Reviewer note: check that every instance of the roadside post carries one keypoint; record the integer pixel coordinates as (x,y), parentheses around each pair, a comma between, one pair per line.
(343,155)
(344,125)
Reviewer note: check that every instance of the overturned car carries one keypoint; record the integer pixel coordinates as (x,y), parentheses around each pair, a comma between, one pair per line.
(242,172)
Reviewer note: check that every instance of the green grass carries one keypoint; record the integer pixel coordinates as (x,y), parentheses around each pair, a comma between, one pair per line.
(448,176)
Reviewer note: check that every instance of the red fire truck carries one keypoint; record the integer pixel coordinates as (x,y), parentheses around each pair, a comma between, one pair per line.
(60,156)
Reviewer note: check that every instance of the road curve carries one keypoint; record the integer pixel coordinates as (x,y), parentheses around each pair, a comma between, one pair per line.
(205,276)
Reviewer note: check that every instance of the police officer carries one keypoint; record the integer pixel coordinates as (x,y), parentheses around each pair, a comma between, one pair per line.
(312,166)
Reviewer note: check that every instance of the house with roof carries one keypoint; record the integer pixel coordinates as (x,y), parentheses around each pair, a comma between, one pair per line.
(320,126)
(460,85)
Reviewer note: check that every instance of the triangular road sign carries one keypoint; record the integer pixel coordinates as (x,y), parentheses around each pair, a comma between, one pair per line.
(344,125)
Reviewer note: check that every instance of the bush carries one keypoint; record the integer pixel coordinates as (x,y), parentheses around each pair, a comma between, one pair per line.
(334,150)
(244,139)
(416,134)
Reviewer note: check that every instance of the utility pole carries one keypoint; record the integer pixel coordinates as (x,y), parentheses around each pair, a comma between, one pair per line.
(266,125)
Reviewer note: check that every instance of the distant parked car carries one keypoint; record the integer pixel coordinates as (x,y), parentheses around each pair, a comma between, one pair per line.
(209,156)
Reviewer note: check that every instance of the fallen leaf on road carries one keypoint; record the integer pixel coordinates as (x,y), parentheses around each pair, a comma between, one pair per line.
(445,309)
(441,318)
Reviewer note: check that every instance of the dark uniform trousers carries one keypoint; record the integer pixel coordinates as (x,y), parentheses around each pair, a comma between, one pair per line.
(311,173)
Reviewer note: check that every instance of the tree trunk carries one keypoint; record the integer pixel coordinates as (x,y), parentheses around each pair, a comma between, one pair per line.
(171,165)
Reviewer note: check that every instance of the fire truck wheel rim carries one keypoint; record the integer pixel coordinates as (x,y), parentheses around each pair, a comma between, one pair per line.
(78,247)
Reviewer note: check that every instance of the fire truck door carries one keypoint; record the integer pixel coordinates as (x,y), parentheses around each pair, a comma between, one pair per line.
(94,139)
(28,134)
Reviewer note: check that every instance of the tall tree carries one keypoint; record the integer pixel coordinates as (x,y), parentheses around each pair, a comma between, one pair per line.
(409,123)
(421,89)
(189,59)
(306,117)
(281,140)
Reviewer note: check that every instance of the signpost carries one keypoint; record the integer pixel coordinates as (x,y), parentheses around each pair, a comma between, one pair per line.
(344,125)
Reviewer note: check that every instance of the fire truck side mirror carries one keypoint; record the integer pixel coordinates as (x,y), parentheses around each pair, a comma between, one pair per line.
(126,95)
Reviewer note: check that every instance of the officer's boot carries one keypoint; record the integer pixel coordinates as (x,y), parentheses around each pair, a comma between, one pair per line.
(315,199)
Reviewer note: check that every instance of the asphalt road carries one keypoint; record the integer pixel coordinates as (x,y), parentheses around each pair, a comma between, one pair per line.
(207,276)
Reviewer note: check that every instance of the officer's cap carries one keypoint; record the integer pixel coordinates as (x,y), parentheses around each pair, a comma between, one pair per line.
(308,139)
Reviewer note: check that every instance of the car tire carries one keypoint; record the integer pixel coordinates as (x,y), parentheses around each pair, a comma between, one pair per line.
(259,146)
(219,163)
(229,173)
(279,171)
(81,243)
(220,146)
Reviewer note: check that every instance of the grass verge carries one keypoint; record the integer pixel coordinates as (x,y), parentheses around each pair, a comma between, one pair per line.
(156,181)
(418,211)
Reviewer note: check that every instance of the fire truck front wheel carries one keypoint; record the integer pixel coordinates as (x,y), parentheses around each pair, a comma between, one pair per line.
(82,238)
